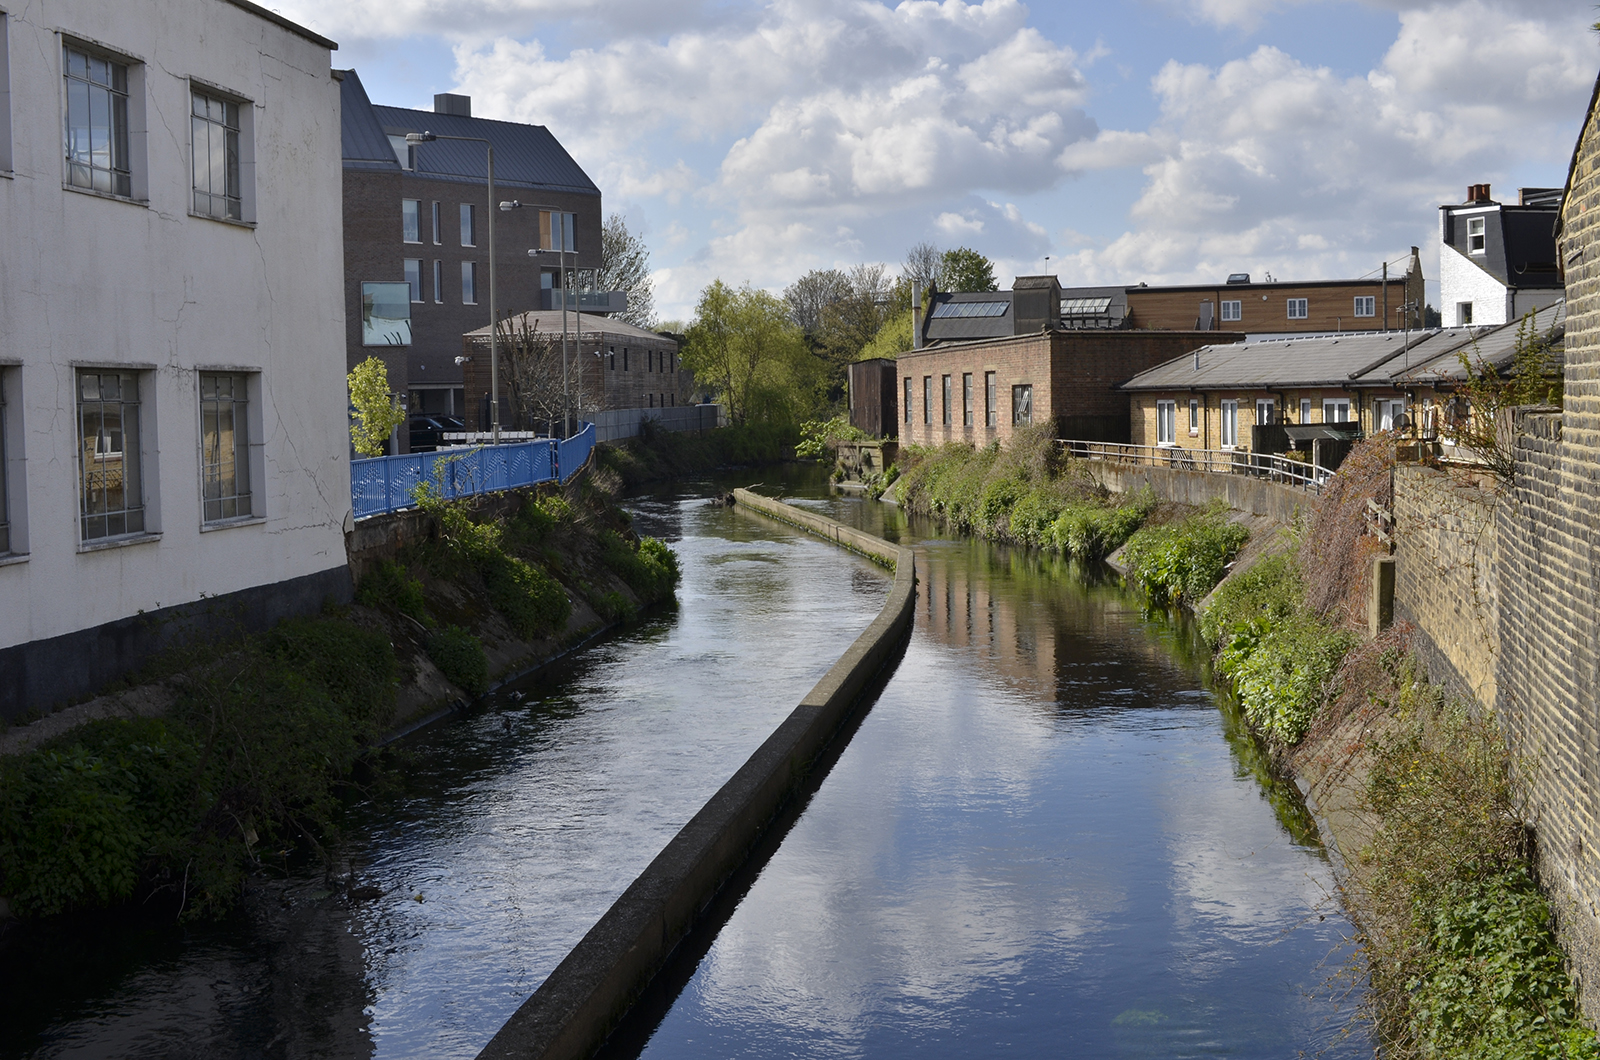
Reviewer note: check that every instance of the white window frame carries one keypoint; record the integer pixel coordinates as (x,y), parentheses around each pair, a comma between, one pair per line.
(1166,422)
(1463,314)
(1477,235)
(1366,305)
(1385,409)
(1299,308)
(1265,407)
(1331,408)
(1194,417)
(1230,424)
(1232,311)
(1305,410)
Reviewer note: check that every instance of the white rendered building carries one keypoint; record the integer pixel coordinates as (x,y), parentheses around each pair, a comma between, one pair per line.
(1497,261)
(173,425)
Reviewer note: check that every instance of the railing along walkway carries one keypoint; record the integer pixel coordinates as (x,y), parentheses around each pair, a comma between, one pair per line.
(384,484)
(1295,474)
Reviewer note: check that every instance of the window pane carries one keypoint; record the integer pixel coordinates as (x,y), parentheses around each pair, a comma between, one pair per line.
(469,285)
(408,221)
(225,478)
(467,239)
(110,497)
(385,314)
(414,278)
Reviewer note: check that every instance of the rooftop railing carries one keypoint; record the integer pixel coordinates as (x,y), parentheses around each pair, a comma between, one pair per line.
(1295,474)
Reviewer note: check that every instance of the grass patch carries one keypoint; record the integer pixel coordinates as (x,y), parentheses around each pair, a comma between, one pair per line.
(248,761)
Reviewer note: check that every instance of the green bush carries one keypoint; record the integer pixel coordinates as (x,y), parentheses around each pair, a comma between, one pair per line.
(533,602)
(1183,561)
(249,756)
(612,606)
(460,657)
(651,570)
(390,585)
(1091,532)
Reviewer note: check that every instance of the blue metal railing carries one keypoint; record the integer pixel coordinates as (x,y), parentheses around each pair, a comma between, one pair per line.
(388,483)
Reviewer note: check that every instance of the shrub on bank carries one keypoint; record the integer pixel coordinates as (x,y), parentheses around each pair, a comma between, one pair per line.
(246,762)
(1183,561)
(460,657)
(650,569)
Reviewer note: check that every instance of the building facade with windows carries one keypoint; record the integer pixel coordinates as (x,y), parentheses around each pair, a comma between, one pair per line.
(1355,385)
(1497,260)
(416,237)
(981,391)
(172,410)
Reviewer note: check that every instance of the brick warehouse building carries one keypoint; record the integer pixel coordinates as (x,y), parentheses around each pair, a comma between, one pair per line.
(416,236)
(978,391)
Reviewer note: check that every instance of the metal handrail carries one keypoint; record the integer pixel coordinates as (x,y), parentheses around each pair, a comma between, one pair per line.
(1292,473)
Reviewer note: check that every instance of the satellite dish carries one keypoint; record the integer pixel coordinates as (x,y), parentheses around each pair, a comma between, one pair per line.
(1401,421)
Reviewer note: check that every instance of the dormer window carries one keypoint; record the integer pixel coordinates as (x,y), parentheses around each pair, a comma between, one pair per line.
(1475,239)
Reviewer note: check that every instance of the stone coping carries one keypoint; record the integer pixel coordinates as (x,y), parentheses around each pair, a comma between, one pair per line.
(589,992)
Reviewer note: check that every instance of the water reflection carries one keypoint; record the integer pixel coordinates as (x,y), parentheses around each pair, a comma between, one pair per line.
(1036,841)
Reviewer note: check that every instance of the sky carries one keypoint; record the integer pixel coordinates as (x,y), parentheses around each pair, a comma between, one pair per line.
(1162,141)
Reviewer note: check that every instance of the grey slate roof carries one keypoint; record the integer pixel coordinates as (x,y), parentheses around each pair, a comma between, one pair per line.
(525,156)
(1365,359)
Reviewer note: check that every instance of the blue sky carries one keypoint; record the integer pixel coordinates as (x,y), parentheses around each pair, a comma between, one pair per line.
(1154,140)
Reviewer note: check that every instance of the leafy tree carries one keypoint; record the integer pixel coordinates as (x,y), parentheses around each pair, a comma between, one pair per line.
(850,322)
(377,412)
(893,339)
(964,269)
(744,344)
(625,266)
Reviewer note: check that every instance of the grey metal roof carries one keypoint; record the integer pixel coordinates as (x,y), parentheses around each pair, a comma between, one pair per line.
(525,156)
(361,135)
(1365,359)
(1493,346)
(548,321)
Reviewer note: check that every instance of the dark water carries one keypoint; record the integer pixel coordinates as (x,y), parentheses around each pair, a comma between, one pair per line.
(1045,838)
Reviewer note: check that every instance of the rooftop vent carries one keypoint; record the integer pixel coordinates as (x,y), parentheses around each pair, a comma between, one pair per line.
(1478,193)
(1238,277)
(449,103)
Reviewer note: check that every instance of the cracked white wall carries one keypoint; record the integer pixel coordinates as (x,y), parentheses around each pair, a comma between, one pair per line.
(102,281)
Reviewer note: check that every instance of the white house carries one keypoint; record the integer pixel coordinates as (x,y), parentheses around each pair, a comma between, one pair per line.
(172,398)
(1497,260)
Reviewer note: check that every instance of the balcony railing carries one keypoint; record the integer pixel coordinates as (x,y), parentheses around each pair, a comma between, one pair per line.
(1295,474)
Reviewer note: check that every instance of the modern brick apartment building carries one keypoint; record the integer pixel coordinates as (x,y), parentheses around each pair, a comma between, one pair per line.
(979,391)
(416,222)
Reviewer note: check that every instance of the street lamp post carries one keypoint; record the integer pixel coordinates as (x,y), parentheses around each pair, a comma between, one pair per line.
(561,265)
(494,315)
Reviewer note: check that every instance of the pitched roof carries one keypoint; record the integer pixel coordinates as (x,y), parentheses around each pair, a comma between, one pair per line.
(525,156)
(1366,359)
(589,325)
(960,315)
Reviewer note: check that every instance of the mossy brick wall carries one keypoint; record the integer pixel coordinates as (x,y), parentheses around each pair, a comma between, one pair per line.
(1446,576)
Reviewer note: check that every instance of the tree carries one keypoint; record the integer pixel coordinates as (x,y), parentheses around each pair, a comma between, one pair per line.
(377,412)
(812,293)
(964,269)
(893,339)
(745,345)
(625,266)
(923,264)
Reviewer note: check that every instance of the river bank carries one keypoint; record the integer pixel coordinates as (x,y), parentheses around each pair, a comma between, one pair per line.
(1373,747)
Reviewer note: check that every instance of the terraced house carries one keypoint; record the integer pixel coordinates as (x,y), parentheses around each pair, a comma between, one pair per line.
(172,401)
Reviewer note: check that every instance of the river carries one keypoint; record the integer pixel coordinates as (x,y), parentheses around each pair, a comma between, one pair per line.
(1046,837)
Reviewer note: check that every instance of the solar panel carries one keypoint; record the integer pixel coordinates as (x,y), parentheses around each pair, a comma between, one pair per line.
(946,310)
(1078,307)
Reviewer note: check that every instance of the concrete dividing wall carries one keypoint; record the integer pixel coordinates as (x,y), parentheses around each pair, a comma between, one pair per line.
(592,989)
(1241,492)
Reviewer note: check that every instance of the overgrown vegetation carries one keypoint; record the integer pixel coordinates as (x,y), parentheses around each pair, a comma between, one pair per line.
(187,805)
(656,455)
(1465,958)
(1532,377)
(460,657)
(1028,493)
(377,413)
(1180,562)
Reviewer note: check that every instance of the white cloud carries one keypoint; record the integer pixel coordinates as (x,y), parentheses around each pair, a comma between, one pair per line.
(953,224)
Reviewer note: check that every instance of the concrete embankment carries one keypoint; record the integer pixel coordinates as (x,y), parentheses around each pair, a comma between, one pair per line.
(591,990)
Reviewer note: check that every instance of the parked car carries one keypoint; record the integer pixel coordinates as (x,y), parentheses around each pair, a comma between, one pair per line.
(427,431)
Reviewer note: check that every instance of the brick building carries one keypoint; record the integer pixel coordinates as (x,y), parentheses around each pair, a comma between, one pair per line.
(978,391)
(1278,308)
(416,222)
(610,365)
